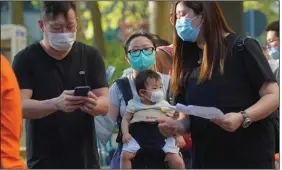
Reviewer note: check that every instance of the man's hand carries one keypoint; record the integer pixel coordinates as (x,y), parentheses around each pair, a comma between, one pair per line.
(230,121)
(126,138)
(89,103)
(66,102)
(179,141)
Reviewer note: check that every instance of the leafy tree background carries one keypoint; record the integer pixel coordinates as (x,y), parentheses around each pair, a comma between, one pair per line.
(269,8)
(114,20)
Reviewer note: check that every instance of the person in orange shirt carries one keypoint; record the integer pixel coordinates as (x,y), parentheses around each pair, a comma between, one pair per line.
(11,118)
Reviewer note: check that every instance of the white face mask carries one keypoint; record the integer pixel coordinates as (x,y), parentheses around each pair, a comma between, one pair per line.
(157,95)
(61,41)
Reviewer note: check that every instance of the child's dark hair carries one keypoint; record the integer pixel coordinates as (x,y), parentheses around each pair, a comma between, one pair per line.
(143,76)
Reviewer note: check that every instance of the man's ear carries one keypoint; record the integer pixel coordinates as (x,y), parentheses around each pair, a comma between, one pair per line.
(171,20)
(41,25)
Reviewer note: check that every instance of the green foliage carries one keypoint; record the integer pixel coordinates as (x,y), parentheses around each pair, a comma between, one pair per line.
(269,8)
(112,12)
(36,4)
(116,58)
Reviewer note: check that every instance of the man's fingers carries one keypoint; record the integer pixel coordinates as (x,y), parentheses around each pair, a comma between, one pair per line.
(91,101)
(85,109)
(92,95)
(89,106)
(72,108)
(73,98)
(74,102)
(68,92)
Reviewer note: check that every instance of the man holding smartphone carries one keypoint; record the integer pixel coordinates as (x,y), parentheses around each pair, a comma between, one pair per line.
(60,125)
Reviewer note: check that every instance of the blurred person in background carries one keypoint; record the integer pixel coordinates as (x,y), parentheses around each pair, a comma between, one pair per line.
(60,124)
(273,47)
(159,41)
(164,53)
(11,119)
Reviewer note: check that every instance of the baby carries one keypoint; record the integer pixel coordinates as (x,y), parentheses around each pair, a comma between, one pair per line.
(146,110)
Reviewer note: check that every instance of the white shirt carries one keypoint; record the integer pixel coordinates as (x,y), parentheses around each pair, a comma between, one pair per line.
(274,64)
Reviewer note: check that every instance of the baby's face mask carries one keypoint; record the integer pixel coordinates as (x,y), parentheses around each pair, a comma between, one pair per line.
(153,91)
(156,95)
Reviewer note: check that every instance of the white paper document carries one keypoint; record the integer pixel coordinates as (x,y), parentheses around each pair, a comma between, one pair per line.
(203,112)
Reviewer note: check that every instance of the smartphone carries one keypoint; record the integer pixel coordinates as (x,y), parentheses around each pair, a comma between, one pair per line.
(82,91)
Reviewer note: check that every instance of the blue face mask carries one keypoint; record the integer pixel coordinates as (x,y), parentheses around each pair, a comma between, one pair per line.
(274,53)
(142,62)
(185,30)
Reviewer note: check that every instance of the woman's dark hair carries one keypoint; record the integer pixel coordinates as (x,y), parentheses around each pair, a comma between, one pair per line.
(138,34)
(213,29)
(142,78)
(51,9)
(159,41)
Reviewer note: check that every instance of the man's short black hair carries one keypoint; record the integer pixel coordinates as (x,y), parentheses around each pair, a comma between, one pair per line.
(274,26)
(142,78)
(51,9)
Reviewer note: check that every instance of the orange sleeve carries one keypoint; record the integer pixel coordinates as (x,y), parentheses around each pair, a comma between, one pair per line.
(11,118)
(277,157)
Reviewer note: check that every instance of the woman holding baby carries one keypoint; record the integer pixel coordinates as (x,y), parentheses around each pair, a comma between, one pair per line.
(140,50)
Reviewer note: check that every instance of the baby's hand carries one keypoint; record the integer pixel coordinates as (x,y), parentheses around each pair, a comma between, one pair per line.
(126,138)
(180,142)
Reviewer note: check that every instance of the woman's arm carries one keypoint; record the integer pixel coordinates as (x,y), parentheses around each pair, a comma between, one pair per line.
(268,103)
(113,112)
(114,102)
(262,80)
